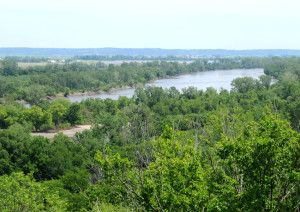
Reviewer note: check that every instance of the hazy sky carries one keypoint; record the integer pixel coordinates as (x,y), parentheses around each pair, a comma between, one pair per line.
(185,24)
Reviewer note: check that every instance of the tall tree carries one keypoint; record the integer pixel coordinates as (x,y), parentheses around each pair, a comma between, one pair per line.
(262,166)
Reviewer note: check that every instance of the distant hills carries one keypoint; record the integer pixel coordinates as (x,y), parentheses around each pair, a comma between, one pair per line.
(21,51)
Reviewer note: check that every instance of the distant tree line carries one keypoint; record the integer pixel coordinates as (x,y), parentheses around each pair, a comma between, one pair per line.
(26,59)
(130,57)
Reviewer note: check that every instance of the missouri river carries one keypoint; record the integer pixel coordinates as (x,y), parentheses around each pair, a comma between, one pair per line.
(217,79)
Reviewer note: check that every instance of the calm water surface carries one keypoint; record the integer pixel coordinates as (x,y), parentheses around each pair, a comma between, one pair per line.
(217,79)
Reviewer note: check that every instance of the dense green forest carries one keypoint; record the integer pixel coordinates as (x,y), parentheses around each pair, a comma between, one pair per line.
(162,150)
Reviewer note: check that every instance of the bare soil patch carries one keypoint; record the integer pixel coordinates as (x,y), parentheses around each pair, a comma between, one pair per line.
(69,132)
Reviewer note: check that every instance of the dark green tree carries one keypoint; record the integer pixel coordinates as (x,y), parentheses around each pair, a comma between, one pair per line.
(73,114)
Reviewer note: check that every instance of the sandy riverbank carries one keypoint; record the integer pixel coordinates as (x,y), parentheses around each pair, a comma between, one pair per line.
(92,93)
(70,132)
(112,90)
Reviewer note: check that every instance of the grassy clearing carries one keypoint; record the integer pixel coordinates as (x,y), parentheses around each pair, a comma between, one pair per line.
(26,65)
(89,62)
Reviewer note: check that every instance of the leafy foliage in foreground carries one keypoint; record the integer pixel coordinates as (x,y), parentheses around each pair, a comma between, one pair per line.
(263,166)
(172,179)
(257,171)
(21,193)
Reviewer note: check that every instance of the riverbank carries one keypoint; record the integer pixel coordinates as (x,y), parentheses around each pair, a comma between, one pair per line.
(217,78)
(69,132)
(92,93)
(115,89)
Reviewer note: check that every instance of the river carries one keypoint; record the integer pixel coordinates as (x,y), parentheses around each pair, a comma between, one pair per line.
(217,79)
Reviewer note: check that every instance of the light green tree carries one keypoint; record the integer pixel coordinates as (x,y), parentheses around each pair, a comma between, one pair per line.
(37,117)
(21,193)
(172,180)
(262,166)
(244,84)
(58,111)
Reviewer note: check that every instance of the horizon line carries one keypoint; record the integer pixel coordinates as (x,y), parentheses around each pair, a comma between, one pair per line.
(146,48)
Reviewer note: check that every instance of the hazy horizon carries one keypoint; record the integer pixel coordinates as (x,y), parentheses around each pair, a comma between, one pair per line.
(28,47)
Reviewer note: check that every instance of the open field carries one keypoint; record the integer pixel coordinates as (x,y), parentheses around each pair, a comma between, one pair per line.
(89,62)
(26,65)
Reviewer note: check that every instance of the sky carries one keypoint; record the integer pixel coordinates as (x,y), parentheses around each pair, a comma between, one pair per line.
(168,24)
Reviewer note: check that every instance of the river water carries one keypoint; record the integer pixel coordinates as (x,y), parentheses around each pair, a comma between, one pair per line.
(217,79)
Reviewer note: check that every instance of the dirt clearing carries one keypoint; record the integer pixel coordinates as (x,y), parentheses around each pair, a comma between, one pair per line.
(70,132)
